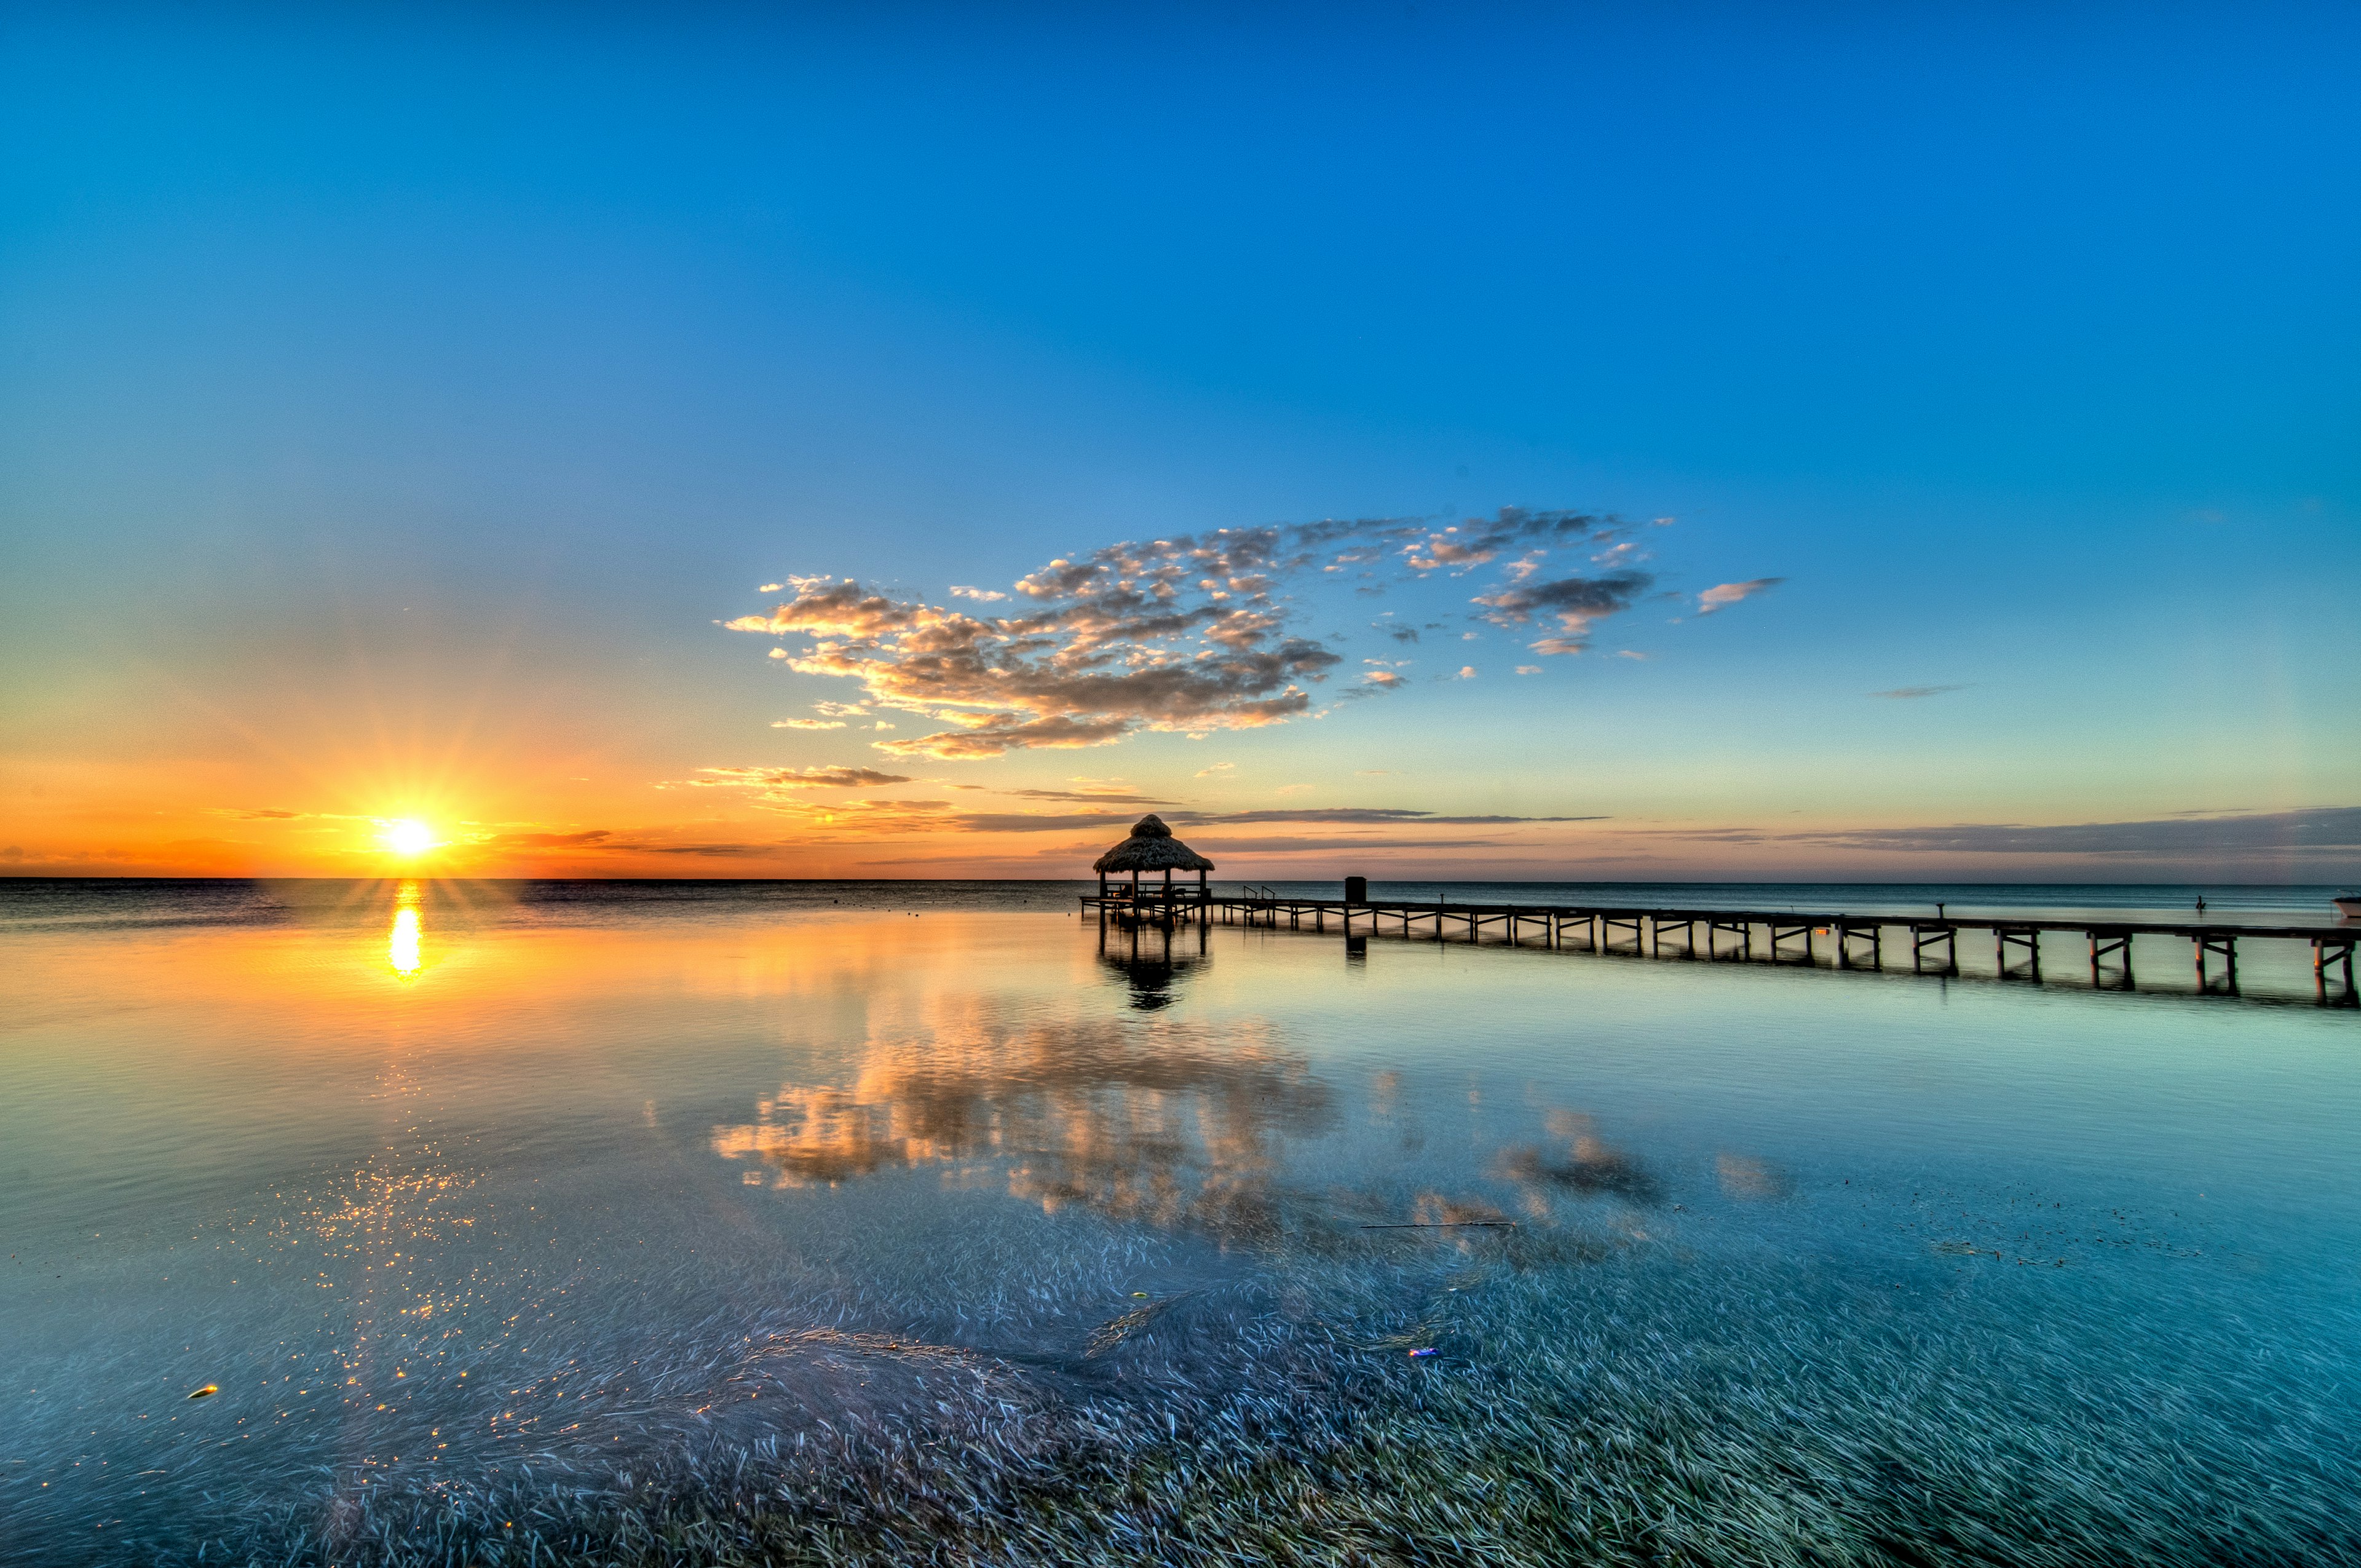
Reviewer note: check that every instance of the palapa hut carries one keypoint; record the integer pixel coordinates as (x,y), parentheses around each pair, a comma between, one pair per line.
(1152,848)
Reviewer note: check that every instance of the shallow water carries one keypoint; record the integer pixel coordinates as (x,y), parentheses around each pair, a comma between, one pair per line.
(452,1189)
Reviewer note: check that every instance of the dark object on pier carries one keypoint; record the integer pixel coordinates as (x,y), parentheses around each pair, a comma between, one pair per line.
(1152,848)
(1356,890)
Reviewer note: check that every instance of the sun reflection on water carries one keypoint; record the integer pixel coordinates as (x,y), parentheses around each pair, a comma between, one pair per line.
(402,946)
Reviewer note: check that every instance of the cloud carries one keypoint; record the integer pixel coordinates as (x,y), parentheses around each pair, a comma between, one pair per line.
(701,851)
(1529,669)
(595,837)
(1909,694)
(1294,846)
(605,841)
(1359,813)
(1573,602)
(1723,595)
(1476,541)
(2335,828)
(807,724)
(935,817)
(1467,672)
(1031,822)
(1629,653)
(1190,634)
(797,778)
(1216,770)
(983,595)
(1107,796)
(996,734)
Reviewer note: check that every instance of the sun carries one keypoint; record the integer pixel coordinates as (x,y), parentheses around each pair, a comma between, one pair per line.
(407,835)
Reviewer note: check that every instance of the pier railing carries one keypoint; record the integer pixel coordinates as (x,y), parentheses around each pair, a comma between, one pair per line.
(1789,935)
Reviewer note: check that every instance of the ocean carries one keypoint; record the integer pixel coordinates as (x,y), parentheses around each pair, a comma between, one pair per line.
(939,1222)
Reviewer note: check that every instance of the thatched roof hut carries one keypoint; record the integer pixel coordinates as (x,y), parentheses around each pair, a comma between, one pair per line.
(1151,848)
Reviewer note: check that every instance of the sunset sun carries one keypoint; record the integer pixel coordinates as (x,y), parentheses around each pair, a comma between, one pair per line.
(408,835)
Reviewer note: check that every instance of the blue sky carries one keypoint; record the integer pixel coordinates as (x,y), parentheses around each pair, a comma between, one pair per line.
(393,403)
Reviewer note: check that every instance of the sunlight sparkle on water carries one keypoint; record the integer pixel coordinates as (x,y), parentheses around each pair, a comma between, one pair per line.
(402,946)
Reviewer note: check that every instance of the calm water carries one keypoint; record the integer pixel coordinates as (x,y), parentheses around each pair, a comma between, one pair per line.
(459,1190)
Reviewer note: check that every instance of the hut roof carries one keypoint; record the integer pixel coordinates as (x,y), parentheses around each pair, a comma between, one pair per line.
(1151,848)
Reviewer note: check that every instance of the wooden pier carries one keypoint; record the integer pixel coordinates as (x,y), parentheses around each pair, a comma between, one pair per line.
(1855,941)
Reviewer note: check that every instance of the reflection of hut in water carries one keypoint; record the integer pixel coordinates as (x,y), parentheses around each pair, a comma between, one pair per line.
(1150,850)
(1151,959)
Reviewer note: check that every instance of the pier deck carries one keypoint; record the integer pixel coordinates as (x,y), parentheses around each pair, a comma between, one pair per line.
(1857,940)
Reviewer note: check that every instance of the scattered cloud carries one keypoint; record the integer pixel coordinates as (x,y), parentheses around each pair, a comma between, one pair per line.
(997,734)
(1633,654)
(1216,770)
(2335,828)
(1107,797)
(606,841)
(699,851)
(1295,846)
(1034,822)
(1359,814)
(807,724)
(1908,694)
(589,838)
(797,778)
(1573,602)
(770,588)
(1723,595)
(1529,669)
(1467,672)
(1190,634)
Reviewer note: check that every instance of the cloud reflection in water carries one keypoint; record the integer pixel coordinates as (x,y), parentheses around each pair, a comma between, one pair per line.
(1182,1126)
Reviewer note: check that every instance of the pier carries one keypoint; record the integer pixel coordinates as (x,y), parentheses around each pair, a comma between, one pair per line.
(1784,936)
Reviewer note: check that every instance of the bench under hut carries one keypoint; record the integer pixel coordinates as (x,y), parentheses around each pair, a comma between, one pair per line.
(1152,848)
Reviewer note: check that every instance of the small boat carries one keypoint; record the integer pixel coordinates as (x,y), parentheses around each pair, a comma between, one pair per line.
(2348,903)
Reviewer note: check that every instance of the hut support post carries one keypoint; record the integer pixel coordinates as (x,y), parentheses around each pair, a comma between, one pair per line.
(2327,953)
(2110,943)
(2224,945)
